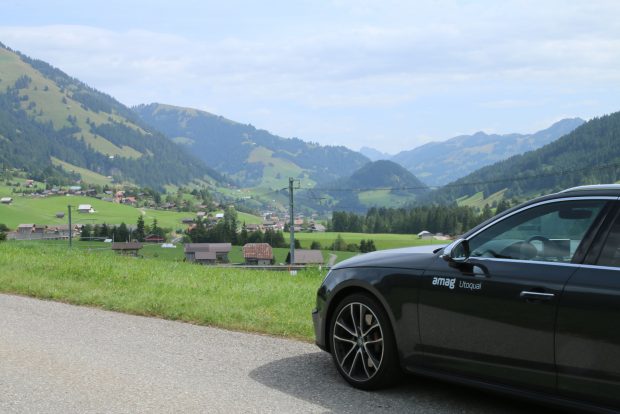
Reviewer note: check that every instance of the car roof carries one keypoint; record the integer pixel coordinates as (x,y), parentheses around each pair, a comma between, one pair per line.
(596,189)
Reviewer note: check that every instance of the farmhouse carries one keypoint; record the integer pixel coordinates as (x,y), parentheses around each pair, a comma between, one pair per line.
(220,250)
(306,257)
(317,228)
(127,248)
(85,208)
(154,238)
(251,228)
(425,235)
(258,254)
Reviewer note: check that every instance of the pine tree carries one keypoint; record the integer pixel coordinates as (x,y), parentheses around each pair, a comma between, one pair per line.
(139,233)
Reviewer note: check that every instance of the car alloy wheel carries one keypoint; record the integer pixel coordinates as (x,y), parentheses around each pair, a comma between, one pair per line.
(362,344)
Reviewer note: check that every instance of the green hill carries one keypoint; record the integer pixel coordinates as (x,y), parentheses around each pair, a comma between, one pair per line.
(588,155)
(252,156)
(50,121)
(377,184)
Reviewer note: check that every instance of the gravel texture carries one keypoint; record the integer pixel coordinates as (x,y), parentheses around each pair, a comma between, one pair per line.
(58,358)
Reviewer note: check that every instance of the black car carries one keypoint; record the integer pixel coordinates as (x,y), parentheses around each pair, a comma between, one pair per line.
(527,302)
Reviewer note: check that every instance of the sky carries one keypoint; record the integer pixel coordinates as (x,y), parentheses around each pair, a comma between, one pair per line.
(386,74)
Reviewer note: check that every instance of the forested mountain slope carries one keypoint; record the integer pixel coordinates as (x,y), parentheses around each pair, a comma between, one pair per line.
(588,155)
(252,156)
(49,120)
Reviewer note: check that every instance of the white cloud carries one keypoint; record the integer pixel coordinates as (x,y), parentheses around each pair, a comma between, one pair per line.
(387,55)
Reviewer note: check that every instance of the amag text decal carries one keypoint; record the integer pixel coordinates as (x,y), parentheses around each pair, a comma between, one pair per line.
(450,283)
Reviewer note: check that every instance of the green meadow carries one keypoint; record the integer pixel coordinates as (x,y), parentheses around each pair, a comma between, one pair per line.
(250,300)
(382,240)
(42,210)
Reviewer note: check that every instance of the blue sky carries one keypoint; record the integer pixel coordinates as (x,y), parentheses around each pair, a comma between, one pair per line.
(386,74)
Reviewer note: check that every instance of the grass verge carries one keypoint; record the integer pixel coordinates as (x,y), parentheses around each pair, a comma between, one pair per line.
(249,300)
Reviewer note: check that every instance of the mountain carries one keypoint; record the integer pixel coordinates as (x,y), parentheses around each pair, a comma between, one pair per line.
(53,125)
(373,154)
(377,184)
(438,163)
(588,155)
(253,157)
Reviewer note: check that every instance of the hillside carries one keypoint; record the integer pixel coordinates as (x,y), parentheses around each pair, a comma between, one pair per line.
(588,155)
(252,156)
(52,124)
(376,184)
(438,163)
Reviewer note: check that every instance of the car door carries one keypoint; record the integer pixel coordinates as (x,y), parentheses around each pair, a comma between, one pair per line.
(588,327)
(493,315)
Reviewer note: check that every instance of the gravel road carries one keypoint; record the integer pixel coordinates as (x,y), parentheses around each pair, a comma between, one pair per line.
(58,358)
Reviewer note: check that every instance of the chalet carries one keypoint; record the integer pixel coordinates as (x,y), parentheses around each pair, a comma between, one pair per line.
(30,232)
(6,200)
(219,216)
(127,248)
(425,235)
(251,228)
(201,214)
(25,228)
(220,250)
(154,238)
(306,257)
(317,228)
(187,220)
(131,201)
(268,224)
(205,257)
(258,254)
(85,208)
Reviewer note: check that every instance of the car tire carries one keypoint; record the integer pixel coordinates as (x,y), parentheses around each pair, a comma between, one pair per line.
(362,343)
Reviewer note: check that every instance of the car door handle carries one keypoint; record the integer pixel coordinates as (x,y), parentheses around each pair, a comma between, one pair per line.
(536,296)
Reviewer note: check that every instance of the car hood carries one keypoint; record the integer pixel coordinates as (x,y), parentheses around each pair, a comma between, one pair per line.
(398,258)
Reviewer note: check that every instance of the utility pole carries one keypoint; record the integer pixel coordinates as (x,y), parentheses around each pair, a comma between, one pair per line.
(70,227)
(291,187)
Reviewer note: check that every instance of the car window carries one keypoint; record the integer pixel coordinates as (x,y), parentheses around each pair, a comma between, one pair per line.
(610,256)
(548,232)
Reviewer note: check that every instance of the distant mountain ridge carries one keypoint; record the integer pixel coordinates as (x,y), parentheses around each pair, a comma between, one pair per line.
(438,163)
(374,154)
(53,124)
(253,157)
(588,155)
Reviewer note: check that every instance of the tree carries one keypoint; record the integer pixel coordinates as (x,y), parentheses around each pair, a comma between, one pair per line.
(3,230)
(315,245)
(339,244)
(121,233)
(87,232)
(139,233)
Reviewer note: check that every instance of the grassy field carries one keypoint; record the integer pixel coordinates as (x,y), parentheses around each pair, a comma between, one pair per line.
(26,209)
(239,299)
(478,200)
(382,241)
(87,175)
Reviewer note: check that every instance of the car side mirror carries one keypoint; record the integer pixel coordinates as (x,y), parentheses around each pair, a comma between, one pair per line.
(456,253)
